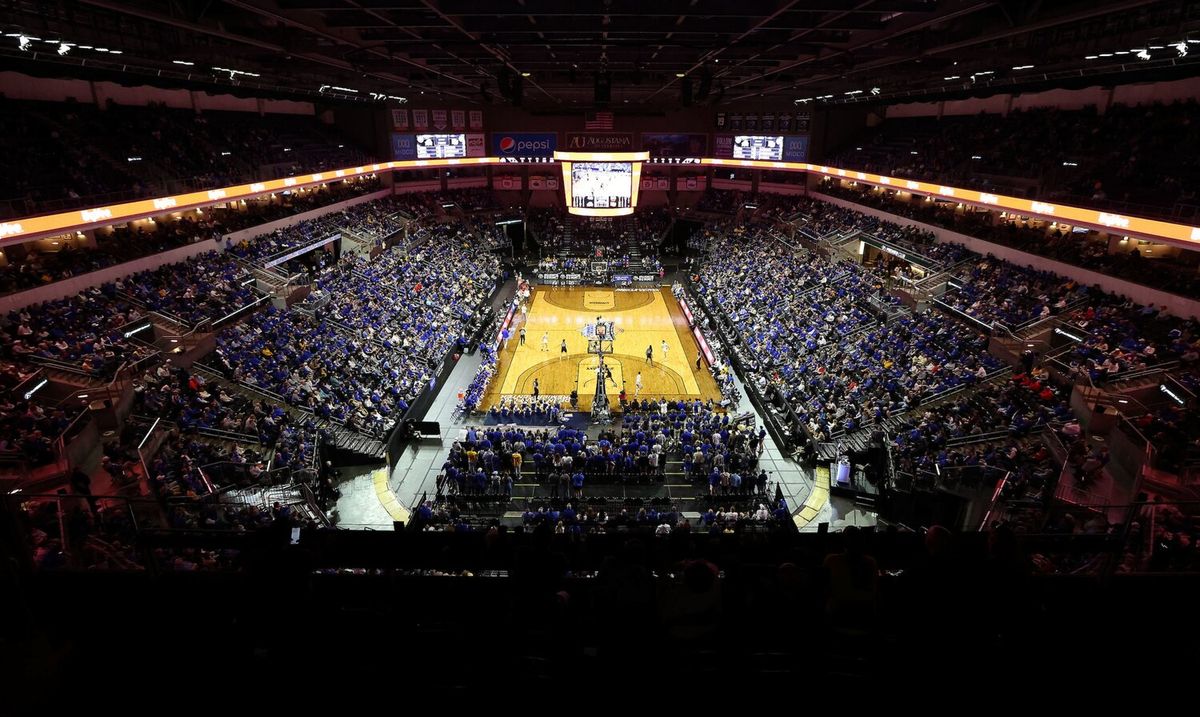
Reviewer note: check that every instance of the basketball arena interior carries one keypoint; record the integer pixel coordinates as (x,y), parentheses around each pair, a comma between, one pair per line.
(402,348)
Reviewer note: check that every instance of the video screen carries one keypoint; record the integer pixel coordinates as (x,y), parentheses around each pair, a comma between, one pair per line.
(602,185)
(440,146)
(756,147)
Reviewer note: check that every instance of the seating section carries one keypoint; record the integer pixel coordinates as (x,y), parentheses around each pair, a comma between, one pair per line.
(1141,155)
(812,329)
(64,154)
(82,330)
(1172,272)
(373,331)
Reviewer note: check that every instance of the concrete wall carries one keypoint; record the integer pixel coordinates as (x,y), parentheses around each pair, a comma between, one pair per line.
(1177,305)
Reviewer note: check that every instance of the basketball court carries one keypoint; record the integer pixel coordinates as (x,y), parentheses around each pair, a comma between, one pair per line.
(641,319)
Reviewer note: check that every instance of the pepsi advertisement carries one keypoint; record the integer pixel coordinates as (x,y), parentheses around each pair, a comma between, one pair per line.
(524,144)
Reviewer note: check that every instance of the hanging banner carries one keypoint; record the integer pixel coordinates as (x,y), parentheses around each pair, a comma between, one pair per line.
(795,148)
(599,142)
(674,145)
(458,119)
(400,120)
(439,119)
(475,117)
(723,146)
(720,120)
(420,119)
(785,123)
(476,145)
(768,123)
(404,146)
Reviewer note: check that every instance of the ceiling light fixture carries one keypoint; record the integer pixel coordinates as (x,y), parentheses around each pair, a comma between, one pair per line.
(1181,47)
(1144,54)
(182,62)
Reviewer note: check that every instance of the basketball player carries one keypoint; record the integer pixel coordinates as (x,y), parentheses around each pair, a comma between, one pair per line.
(664,349)
(637,385)
(546,341)
(650,354)
(699,356)
(562,351)
(522,343)
(536,389)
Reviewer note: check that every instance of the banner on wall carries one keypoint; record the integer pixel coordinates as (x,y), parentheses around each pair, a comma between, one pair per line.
(420,119)
(476,145)
(475,117)
(802,122)
(690,184)
(720,120)
(509,182)
(660,144)
(543,183)
(768,123)
(723,146)
(458,119)
(599,142)
(663,183)
(785,123)
(400,120)
(751,123)
(735,123)
(439,119)
(795,148)
(524,144)
(404,146)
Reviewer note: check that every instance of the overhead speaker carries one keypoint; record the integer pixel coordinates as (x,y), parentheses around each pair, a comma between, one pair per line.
(685,92)
(602,89)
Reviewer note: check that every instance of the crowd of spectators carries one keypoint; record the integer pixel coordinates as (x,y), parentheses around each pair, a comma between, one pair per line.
(813,328)
(153,150)
(1177,273)
(31,265)
(82,330)
(996,291)
(1016,408)
(1139,154)
(372,332)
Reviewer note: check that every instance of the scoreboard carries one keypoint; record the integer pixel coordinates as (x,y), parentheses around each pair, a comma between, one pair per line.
(758,147)
(441,146)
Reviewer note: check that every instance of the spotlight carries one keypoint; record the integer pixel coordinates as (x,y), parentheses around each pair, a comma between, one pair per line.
(1181,47)
(63,48)
(1144,54)
(874,90)
(23,43)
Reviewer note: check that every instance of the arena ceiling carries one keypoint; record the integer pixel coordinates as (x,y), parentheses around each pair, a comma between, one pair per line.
(652,55)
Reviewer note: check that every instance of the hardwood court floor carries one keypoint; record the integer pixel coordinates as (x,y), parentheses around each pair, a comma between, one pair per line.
(642,318)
